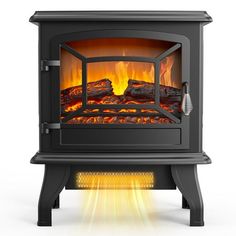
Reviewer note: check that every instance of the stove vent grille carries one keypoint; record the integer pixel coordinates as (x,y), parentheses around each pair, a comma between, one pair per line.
(115,180)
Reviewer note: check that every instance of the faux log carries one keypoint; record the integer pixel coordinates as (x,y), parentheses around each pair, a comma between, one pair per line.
(145,90)
(95,90)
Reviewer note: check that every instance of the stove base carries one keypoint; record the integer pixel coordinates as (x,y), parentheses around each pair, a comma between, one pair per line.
(185,203)
(110,158)
(56,204)
(184,176)
(186,179)
(55,179)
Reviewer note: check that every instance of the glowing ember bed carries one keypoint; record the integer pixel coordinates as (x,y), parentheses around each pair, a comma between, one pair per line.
(120,102)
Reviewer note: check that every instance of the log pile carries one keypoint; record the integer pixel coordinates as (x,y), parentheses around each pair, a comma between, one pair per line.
(137,92)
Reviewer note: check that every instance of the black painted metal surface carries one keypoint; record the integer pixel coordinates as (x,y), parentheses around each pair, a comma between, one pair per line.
(129,159)
(199,16)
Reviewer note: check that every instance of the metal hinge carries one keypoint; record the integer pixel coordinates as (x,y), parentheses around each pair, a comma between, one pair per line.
(46,127)
(45,64)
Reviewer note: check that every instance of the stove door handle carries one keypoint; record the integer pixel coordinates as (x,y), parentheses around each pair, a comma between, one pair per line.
(186,104)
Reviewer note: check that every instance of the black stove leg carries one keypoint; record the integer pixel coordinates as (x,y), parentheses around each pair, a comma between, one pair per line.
(186,179)
(56,204)
(185,203)
(55,178)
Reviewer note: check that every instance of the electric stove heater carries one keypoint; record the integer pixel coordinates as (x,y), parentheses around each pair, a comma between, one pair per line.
(120,97)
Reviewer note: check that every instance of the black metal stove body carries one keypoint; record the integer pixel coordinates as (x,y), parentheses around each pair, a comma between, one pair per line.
(171,150)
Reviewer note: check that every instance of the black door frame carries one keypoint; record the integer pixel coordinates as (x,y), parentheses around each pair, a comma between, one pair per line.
(55,92)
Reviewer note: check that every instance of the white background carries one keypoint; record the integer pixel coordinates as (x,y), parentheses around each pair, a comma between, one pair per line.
(20,182)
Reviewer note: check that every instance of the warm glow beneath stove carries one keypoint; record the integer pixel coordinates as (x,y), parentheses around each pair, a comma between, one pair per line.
(116,196)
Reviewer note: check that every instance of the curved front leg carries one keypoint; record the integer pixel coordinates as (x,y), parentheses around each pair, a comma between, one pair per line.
(55,178)
(56,204)
(186,179)
(184,203)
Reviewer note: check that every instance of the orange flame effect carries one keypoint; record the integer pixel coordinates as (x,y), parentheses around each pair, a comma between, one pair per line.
(166,72)
(119,73)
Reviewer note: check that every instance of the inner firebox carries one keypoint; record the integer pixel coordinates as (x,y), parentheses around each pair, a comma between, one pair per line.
(120,81)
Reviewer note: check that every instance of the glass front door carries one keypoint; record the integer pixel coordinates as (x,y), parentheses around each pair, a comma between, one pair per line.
(120,81)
